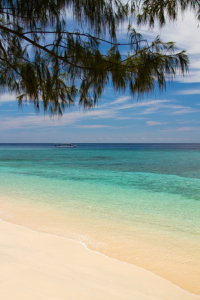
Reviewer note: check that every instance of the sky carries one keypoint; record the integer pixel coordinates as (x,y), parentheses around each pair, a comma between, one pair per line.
(172,116)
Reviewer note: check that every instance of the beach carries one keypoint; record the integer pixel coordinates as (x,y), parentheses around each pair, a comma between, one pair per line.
(131,208)
(42,266)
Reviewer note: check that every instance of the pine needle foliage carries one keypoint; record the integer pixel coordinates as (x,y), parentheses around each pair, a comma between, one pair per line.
(163,10)
(45,63)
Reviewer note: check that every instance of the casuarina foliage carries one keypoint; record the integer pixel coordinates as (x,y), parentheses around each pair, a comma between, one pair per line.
(55,52)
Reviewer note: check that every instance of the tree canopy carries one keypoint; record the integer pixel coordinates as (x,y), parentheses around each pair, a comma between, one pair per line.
(46,62)
(161,10)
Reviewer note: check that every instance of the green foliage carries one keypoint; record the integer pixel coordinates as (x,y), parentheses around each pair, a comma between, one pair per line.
(45,63)
(161,10)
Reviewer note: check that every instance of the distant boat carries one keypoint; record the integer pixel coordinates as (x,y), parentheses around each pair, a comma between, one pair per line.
(65,146)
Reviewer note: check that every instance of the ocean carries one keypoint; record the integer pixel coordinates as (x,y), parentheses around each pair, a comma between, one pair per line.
(138,203)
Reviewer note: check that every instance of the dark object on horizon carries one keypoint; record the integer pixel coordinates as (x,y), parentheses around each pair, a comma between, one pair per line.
(65,146)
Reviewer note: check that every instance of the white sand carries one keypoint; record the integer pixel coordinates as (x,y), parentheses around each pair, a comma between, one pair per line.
(40,266)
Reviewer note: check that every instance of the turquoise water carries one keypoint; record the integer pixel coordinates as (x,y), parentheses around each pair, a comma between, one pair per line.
(110,188)
(122,182)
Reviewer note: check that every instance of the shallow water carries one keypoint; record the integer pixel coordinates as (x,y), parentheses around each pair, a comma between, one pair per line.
(139,203)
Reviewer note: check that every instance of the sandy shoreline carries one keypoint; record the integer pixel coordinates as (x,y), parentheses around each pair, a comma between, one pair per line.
(41,266)
(176,260)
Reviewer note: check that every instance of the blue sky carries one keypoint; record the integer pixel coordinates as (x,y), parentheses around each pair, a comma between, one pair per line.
(172,116)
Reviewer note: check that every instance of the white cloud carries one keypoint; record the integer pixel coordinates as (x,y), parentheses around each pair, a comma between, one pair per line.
(45,121)
(123,118)
(185,110)
(143,104)
(100,126)
(193,76)
(188,92)
(185,33)
(185,129)
(121,100)
(171,109)
(7,97)
(152,123)
(181,129)
(74,117)
(183,122)
(98,113)
(150,110)
(91,126)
